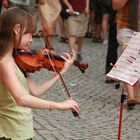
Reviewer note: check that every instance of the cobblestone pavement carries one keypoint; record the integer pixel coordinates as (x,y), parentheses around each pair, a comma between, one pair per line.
(99,102)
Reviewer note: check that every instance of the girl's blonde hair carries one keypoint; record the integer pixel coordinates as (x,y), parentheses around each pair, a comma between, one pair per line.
(8,20)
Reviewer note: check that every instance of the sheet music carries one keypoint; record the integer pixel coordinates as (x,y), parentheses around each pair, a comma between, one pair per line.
(127,67)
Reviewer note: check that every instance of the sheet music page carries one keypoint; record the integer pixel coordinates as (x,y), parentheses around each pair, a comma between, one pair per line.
(127,67)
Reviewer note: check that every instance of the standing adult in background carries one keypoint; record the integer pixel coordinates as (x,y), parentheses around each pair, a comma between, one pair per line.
(90,30)
(105,18)
(128,21)
(112,54)
(97,22)
(76,26)
(49,11)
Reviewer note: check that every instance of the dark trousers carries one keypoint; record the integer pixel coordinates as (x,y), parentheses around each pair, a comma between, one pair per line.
(112,48)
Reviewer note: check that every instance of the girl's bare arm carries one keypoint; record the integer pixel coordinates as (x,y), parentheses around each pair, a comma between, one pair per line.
(9,79)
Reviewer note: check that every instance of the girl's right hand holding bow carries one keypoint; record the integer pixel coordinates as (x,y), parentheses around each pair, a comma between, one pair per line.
(66,105)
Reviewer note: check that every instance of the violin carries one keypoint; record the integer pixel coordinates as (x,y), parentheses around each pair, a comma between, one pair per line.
(33,60)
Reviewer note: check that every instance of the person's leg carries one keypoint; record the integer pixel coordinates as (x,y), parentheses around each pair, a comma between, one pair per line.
(130,91)
(90,29)
(105,19)
(80,41)
(91,25)
(91,17)
(112,48)
(97,24)
(97,34)
(72,43)
(112,51)
(124,35)
(48,42)
(48,33)
(62,28)
(136,89)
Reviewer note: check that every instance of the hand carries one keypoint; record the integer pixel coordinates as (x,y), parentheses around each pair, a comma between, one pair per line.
(70,10)
(69,59)
(86,11)
(69,105)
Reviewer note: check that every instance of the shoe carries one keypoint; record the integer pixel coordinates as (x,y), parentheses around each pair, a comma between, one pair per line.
(134,101)
(97,39)
(63,39)
(130,106)
(111,81)
(131,103)
(88,35)
(79,58)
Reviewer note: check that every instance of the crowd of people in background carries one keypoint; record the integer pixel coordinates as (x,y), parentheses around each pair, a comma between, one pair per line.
(109,22)
(93,21)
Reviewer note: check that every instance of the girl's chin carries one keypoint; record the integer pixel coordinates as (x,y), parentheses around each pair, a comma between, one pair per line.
(24,47)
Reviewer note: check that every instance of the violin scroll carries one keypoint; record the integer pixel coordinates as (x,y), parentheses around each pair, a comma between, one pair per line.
(82,67)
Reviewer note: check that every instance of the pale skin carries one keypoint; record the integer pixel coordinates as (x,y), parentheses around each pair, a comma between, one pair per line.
(9,79)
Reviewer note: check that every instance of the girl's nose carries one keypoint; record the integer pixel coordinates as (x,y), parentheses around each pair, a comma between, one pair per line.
(30,38)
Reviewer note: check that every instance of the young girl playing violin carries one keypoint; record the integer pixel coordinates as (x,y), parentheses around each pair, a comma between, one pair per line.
(18,95)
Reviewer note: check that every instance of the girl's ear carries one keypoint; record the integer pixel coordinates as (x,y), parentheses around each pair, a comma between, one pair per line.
(17,29)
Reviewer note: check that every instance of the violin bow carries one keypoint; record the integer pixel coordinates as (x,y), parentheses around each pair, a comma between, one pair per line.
(54,66)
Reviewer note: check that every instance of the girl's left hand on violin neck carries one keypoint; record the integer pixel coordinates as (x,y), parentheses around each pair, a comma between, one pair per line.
(69,59)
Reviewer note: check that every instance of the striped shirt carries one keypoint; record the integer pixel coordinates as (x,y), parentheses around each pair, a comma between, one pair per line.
(129,16)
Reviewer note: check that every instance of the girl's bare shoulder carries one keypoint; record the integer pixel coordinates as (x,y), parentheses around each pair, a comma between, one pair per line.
(6,67)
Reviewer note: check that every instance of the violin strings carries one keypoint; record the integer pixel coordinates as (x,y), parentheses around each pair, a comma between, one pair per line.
(62,83)
(52,63)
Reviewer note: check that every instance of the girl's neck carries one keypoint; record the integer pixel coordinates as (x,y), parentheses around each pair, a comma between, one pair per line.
(9,53)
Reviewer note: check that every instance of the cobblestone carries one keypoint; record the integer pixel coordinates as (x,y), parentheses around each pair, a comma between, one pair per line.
(99,102)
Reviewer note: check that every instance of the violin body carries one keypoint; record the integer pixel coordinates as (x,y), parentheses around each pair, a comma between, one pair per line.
(26,64)
(33,60)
